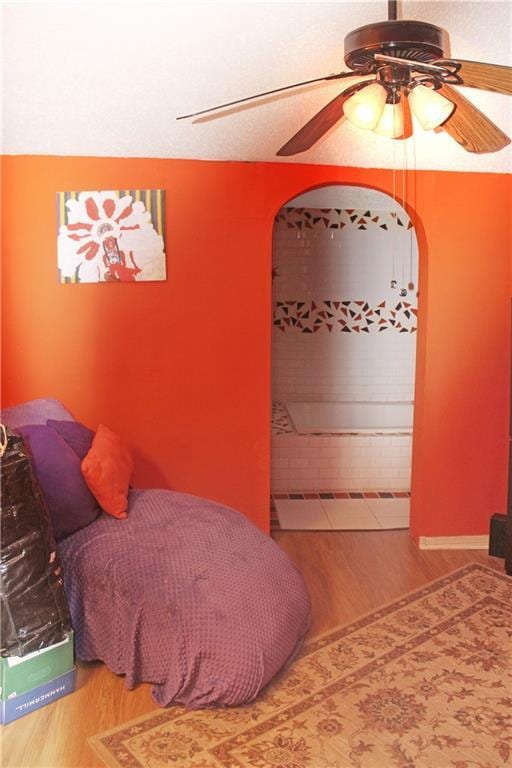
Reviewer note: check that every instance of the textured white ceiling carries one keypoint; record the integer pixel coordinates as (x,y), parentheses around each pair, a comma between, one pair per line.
(109,78)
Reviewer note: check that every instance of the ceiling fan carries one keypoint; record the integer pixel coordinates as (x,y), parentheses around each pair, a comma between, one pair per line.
(400,66)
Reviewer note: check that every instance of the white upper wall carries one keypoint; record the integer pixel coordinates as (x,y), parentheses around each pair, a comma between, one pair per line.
(109,78)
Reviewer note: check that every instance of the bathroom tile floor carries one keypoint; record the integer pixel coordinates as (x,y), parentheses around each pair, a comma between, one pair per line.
(340,514)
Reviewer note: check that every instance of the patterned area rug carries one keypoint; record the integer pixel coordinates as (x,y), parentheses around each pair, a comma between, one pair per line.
(423,682)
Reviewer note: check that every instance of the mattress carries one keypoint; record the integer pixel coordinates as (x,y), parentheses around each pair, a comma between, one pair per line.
(185,594)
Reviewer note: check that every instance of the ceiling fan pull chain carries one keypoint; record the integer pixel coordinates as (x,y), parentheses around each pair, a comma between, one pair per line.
(404,195)
(393,176)
(415,205)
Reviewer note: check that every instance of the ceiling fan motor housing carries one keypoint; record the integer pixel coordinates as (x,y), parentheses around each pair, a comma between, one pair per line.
(415,40)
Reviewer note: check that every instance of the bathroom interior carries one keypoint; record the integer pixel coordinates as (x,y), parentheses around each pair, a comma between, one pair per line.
(345,297)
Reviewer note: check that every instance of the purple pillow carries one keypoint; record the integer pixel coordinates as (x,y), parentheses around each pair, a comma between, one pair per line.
(76,435)
(70,503)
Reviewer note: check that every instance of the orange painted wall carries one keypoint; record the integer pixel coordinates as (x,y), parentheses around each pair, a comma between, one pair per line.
(182,368)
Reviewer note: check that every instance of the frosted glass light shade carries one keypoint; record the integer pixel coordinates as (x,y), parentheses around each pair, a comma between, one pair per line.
(429,107)
(391,123)
(365,107)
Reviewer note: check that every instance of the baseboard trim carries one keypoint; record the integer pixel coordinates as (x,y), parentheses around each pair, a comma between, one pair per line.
(454,542)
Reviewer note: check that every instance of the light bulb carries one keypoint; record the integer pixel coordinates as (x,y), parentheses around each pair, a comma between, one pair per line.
(365,107)
(429,107)
(391,124)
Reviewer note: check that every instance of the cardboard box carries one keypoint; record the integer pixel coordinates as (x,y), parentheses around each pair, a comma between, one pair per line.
(12,709)
(19,674)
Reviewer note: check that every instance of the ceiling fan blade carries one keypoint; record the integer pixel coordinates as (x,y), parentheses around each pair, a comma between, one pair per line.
(337,76)
(470,127)
(488,77)
(323,121)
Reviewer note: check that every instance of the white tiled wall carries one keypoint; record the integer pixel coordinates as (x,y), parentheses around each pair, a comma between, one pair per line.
(341,462)
(345,366)
(335,265)
(343,264)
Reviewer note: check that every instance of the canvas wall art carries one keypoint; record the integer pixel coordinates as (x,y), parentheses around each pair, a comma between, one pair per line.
(111,236)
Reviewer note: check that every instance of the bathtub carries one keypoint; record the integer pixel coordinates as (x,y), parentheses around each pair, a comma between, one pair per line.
(343,417)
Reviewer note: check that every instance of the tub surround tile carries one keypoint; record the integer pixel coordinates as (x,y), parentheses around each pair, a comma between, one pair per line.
(282,425)
(297,463)
(331,463)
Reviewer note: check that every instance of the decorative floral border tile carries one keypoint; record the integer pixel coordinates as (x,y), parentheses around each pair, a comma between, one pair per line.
(346,315)
(339,218)
(281,422)
(300,495)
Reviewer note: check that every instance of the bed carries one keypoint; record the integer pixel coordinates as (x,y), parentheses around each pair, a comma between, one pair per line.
(185,593)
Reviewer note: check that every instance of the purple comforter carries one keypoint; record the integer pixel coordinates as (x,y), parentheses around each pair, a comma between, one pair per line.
(185,594)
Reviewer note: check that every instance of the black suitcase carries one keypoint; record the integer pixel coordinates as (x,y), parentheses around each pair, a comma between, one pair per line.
(34,611)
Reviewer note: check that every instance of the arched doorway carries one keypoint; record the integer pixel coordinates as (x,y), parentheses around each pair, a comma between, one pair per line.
(345,286)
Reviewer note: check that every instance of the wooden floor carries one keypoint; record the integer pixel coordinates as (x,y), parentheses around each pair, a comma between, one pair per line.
(348,574)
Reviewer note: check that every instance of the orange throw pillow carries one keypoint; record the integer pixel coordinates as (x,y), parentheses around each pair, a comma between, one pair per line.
(107,469)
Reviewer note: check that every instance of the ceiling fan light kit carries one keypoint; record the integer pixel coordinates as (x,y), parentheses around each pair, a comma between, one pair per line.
(429,107)
(399,77)
(391,124)
(364,109)
(407,61)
